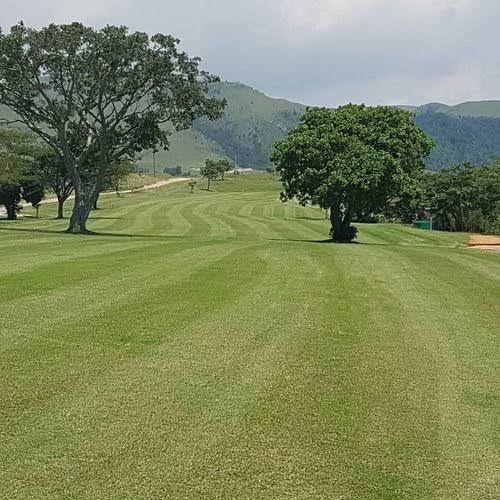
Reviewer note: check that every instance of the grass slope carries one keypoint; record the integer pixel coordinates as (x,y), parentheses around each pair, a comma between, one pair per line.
(212,346)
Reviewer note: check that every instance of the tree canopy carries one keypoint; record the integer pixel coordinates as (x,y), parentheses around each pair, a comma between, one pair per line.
(350,160)
(97,97)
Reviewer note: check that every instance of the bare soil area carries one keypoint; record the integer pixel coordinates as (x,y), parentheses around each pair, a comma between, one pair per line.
(485,242)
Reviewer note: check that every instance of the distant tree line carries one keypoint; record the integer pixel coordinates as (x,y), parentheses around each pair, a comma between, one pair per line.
(28,169)
(173,171)
(459,198)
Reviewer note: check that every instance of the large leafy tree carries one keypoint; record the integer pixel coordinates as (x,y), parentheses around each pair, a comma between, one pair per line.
(350,160)
(99,96)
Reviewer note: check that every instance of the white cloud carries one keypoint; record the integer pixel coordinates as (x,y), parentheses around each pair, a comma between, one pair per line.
(317,51)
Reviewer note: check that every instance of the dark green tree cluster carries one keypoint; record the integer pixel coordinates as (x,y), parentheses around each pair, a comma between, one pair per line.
(351,161)
(459,198)
(173,171)
(19,176)
(464,198)
(97,98)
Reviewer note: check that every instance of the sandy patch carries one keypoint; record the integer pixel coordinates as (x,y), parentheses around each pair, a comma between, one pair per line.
(484,242)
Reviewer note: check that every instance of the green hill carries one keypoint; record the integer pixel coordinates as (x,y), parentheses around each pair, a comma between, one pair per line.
(487,109)
(474,109)
(253,122)
(188,149)
(460,139)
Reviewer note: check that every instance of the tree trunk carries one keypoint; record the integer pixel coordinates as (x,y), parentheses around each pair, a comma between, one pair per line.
(341,230)
(11,211)
(94,204)
(208,187)
(86,196)
(80,214)
(60,207)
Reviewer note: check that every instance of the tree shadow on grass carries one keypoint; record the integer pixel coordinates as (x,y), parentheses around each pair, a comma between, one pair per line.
(325,241)
(303,217)
(27,230)
(92,233)
(142,236)
(369,244)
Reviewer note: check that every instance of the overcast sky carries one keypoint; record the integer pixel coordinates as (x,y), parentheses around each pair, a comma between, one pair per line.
(318,52)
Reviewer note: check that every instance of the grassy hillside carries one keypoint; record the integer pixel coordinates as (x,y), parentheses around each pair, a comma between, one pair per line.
(213,346)
(460,139)
(253,122)
(486,109)
(188,149)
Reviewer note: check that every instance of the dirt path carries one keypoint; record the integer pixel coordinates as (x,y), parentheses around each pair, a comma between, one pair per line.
(158,184)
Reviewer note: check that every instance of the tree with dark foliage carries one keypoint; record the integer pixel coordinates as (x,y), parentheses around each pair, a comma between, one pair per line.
(18,175)
(350,160)
(464,198)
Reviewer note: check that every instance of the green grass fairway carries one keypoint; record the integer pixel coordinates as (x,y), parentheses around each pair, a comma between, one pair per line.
(214,346)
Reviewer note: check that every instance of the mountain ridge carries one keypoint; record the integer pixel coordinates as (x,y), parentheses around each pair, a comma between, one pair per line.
(253,121)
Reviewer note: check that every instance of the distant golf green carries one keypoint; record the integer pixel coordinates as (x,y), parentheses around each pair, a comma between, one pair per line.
(212,345)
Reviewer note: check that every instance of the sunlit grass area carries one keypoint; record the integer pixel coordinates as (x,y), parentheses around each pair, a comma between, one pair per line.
(213,345)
